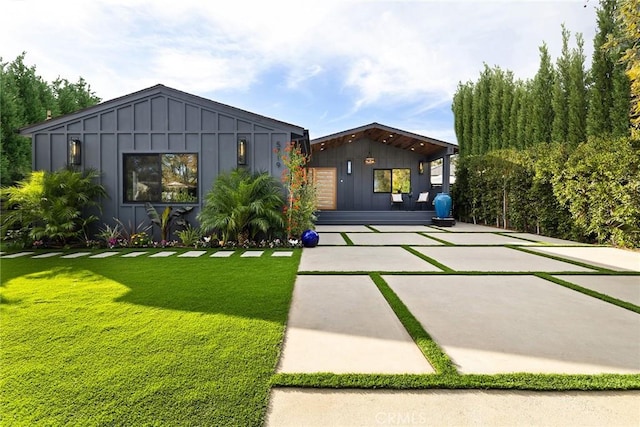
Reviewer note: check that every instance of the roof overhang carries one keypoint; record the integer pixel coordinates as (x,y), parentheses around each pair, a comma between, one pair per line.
(429,147)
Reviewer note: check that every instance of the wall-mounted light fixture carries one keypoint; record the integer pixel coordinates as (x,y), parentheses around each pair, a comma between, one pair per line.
(74,152)
(369,160)
(421,167)
(349,167)
(242,151)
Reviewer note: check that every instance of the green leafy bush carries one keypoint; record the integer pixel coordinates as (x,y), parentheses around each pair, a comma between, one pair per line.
(55,206)
(600,185)
(590,194)
(190,236)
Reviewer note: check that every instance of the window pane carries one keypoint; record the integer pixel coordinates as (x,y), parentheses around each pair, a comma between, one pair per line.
(401,179)
(180,178)
(142,177)
(381,180)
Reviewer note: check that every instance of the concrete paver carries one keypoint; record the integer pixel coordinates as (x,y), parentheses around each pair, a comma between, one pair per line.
(462,227)
(17,255)
(611,258)
(505,324)
(134,254)
(76,255)
(331,239)
(451,408)
(343,229)
(471,258)
(545,239)
(192,254)
(361,258)
(47,255)
(625,288)
(162,254)
(104,255)
(381,239)
(406,228)
(222,254)
(482,239)
(281,254)
(343,324)
(252,254)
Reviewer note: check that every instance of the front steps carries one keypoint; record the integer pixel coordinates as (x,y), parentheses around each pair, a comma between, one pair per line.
(391,217)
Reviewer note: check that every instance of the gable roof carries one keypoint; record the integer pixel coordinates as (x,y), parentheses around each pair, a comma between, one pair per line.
(384,135)
(159,89)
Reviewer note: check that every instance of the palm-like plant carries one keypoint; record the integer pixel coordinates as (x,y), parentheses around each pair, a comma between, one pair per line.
(53,205)
(241,204)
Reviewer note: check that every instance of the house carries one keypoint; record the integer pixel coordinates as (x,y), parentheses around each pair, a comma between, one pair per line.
(166,147)
(357,170)
(160,145)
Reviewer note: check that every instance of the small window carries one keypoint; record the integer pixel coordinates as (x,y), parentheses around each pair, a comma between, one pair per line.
(392,180)
(166,178)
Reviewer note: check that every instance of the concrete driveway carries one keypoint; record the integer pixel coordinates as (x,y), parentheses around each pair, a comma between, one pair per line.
(497,316)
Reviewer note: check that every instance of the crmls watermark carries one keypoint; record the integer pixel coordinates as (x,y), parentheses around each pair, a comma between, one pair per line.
(401,418)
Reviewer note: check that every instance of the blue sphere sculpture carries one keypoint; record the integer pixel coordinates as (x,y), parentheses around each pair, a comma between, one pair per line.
(310,239)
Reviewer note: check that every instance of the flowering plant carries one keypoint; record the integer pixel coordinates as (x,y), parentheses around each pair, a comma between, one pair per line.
(301,205)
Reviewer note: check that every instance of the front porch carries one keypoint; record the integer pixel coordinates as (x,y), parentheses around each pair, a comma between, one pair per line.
(390,217)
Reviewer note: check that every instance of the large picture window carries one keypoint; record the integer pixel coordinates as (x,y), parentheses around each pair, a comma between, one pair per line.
(167,178)
(392,180)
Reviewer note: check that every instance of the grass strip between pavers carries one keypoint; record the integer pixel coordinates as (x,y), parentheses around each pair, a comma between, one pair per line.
(439,360)
(430,236)
(595,294)
(517,381)
(428,259)
(347,239)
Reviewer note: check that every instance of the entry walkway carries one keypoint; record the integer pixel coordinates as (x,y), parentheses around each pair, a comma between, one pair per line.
(487,298)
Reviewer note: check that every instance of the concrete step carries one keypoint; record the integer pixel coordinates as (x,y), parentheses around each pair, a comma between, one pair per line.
(395,217)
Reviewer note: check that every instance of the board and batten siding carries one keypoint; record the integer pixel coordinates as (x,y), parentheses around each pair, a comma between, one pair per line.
(355,191)
(166,121)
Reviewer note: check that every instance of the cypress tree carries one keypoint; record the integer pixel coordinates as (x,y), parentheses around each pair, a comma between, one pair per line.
(602,65)
(457,109)
(577,95)
(542,96)
(560,91)
(495,108)
(508,139)
(514,115)
(481,96)
(467,116)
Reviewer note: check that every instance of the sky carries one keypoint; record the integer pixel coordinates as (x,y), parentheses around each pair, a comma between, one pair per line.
(328,65)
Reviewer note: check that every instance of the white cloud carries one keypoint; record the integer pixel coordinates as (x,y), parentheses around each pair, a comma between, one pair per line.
(381,53)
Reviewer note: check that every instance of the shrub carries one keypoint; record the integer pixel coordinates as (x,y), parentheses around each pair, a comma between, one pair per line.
(600,185)
(53,205)
(240,205)
(190,236)
(589,194)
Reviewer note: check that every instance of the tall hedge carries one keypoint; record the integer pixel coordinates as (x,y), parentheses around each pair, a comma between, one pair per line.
(590,194)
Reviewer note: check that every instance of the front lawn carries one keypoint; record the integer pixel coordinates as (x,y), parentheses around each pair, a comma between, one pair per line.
(140,341)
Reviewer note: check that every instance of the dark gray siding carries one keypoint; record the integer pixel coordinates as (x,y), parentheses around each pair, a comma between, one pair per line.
(355,191)
(164,120)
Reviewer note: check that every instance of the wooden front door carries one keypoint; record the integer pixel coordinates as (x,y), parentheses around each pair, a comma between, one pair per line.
(326,180)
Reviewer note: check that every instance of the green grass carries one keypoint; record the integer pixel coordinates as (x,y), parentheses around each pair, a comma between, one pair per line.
(141,341)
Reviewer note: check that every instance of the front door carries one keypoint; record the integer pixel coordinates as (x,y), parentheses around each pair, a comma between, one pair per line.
(326,180)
